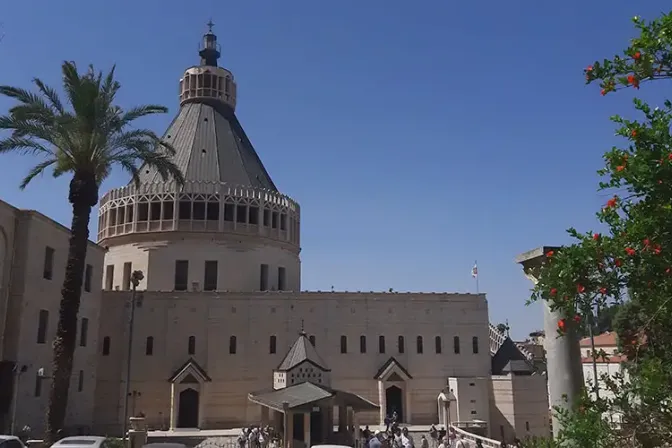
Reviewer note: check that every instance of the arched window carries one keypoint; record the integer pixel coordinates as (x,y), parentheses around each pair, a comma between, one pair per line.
(272,345)
(362,344)
(418,343)
(149,346)
(106,346)
(400,344)
(311,338)
(191,346)
(437,345)
(344,344)
(232,345)
(456,345)
(474,345)
(381,344)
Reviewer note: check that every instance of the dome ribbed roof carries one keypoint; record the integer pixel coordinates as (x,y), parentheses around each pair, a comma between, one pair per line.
(211,146)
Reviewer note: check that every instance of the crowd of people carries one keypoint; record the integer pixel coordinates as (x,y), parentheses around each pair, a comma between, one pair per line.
(259,437)
(395,436)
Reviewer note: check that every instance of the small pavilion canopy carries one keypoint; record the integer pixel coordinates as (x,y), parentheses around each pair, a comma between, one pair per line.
(303,396)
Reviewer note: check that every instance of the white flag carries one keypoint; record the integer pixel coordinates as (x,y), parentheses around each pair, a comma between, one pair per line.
(474,271)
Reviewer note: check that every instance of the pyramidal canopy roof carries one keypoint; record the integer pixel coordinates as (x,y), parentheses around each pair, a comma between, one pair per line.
(211,146)
(301,351)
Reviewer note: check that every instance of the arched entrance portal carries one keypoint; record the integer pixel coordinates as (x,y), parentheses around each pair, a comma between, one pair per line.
(187,415)
(394,399)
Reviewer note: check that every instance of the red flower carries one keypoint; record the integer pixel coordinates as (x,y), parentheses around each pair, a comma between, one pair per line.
(634,133)
(668,270)
(612,202)
(660,181)
(577,318)
(657,249)
(561,324)
(669,156)
(580,287)
(589,68)
(596,236)
(631,79)
(630,251)
(554,291)
(550,253)
(603,290)
(637,56)
(620,168)
(603,92)
(646,242)
(618,262)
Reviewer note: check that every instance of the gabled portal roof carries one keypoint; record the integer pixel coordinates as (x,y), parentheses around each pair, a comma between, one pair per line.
(392,370)
(302,351)
(187,371)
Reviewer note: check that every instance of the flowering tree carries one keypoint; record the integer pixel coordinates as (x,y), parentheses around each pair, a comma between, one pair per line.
(630,263)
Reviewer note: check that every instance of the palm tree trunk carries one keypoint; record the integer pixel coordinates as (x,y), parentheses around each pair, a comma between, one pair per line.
(83,196)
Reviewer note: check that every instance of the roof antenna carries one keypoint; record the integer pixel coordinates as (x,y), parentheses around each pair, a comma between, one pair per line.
(302,332)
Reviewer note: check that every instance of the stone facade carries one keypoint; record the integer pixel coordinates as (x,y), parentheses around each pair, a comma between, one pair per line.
(349,330)
(33,251)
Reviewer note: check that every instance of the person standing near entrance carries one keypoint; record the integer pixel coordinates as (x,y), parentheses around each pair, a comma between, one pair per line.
(375,440)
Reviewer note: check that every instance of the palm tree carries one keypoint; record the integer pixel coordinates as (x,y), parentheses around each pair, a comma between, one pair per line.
(86,138)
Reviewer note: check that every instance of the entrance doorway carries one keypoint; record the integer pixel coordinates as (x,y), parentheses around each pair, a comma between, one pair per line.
(316,437)
(187,415)
(394,399)
(297,426)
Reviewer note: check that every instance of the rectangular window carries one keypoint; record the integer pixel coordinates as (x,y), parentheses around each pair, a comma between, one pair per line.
(80,381)
(149,346)
(267,218)
(229,211)
(88,275)
(282,279)
(381,344)
(84,332)
(38,385)
(48,263)
(210,280)
(126,279)
(362,344)
(181,275)
(109,277)
(263,278)
(42,327)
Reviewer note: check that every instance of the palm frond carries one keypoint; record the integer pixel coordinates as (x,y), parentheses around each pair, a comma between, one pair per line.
(83,131)
(24,145)
(142,111)
(51,95)
(35,171)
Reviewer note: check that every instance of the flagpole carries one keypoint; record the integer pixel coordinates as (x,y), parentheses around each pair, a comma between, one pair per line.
(476,276)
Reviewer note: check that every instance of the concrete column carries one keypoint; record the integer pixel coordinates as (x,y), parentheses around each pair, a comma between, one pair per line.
(382,401)
(288,424)
(202,405)
(407,403)
(264,416)
(355,424)
(563,354)
(306,429)
(173,407)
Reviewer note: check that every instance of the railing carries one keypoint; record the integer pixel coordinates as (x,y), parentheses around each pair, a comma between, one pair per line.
(473,438)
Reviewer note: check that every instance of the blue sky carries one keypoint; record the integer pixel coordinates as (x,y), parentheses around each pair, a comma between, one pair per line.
(417,136)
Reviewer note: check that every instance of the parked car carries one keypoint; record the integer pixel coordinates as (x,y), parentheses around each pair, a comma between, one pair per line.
(11,442)
(82,442)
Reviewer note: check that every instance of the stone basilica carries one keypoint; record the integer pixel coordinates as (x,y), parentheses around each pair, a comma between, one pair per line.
(221,304)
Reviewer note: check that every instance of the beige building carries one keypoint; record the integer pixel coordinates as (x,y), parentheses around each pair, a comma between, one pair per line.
(221,304)
(33,252)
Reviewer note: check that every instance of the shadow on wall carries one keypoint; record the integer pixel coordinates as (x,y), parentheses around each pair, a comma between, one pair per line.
(500,426)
